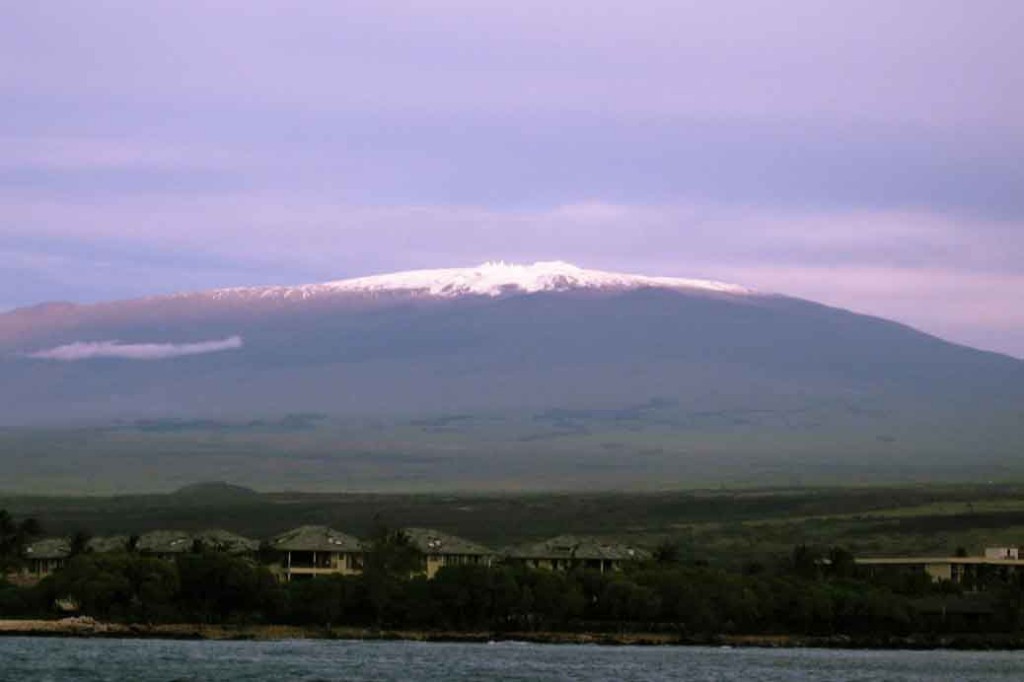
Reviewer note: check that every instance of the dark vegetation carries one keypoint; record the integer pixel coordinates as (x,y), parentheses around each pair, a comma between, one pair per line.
(725,527)
(725,561)
(638,446)
(807,592)
(14,536)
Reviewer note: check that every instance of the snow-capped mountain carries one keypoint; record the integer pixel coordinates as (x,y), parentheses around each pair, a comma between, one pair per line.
(543,374)
(489,279)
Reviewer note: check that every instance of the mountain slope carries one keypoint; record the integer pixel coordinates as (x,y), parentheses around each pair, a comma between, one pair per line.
(524,375)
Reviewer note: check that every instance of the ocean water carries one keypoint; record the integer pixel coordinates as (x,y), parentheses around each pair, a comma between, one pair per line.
(36,658)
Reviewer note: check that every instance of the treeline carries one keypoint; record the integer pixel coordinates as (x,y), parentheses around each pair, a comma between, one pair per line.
(808,592)
(804,594)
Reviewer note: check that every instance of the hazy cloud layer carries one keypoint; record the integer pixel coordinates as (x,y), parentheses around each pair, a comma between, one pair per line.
(135,351)
(867,155)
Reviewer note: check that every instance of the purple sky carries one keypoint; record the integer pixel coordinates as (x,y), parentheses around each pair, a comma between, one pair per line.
(864,154)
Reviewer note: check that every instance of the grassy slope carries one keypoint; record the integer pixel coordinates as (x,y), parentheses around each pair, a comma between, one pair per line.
(632,448)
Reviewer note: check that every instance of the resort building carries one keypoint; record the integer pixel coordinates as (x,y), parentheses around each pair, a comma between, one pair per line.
(567,552)
(440,550)
(45,556)
(310,551)
(167,544)
(219,540)
(997,563)
(108,544)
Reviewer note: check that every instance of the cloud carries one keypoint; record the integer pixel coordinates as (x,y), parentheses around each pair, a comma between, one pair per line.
(135,351)
(112,152)
(276,232)
(946,61)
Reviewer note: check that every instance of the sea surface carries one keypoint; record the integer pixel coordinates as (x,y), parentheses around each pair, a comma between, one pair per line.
(40,658)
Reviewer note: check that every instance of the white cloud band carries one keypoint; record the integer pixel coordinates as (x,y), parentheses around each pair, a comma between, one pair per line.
(135,351)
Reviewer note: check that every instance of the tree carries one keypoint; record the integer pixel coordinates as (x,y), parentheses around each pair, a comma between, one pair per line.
(97,583)
(79,543)
(14,537)
(668,552)
(841,563)
(324,600)
(390,559)
(218,587)
(805,562)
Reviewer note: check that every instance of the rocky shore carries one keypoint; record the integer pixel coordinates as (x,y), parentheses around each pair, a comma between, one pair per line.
(89,627)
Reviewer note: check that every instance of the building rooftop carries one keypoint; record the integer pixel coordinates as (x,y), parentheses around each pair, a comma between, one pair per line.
(579,548)
(225,541)
(164,542)
(49,548)
(431,541)
(181,542)
(107,544)
(315,539)
(916,560)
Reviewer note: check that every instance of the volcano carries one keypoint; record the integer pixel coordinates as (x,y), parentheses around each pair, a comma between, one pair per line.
(493,377)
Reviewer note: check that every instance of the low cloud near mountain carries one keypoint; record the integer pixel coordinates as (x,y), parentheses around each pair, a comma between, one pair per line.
(135,351)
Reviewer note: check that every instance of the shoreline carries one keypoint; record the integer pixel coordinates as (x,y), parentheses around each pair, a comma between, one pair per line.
(84,627)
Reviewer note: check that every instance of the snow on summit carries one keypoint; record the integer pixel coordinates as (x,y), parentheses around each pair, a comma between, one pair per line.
(489,279)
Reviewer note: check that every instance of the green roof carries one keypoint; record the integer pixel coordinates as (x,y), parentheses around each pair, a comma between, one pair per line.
(154,542)
(574,547)
(225,541)
(104,545)
(431,541)
(181,542)
(49,548)
(315,539)
(164,542)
